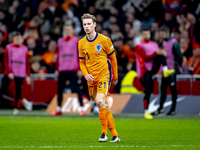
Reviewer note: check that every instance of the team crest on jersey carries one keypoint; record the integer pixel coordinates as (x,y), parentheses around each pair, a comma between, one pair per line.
(98,47)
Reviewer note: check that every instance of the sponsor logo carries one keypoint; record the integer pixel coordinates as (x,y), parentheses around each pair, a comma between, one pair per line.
(17,62)
(153,107)
(72,105)
(67,55)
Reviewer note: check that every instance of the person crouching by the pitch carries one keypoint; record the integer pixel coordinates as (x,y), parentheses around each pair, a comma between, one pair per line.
(67,66)
(17,67)
(149,58)
(174,61)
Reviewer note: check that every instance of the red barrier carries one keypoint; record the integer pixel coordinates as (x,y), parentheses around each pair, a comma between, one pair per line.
(183,88)
(196,88)
(44,90)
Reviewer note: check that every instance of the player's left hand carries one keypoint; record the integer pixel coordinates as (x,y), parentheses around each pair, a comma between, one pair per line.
(114,82)
(28,80)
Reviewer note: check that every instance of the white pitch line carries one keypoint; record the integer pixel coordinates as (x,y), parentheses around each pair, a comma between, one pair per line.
(92,146)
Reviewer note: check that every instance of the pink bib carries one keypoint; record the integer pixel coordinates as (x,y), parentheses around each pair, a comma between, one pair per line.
(68,54)
(17,60)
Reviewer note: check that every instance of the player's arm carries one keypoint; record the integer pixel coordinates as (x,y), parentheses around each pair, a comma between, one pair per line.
(83,68)
(112,57)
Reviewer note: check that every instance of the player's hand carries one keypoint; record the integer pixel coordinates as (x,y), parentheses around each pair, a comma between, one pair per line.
(56,73)
(28,80)
(114,82)
(89,78)
(11,76)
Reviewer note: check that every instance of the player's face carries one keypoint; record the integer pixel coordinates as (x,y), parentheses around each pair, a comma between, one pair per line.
(89,26)
(163,35)
(68,30)
(17,39)
(146,35)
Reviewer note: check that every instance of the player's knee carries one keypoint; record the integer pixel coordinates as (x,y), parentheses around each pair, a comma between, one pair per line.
(100,100)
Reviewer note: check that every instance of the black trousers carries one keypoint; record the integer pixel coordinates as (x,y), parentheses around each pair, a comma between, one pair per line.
(71,76)
(147,81)
(171,81)
(18,87)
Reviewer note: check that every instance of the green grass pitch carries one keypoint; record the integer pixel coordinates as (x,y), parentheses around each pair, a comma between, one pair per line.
(74,132)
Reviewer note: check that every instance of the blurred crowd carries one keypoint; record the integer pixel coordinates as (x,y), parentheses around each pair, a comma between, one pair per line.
(40,22)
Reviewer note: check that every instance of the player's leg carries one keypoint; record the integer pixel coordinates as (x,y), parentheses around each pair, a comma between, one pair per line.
(111,122)
(148,84)
(103,90)
(103,116)
(102,111)
(4,86)
(163,96)
(18,88)
(174,95)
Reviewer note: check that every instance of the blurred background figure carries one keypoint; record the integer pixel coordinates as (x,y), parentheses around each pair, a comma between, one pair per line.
(174,61)
(67,66)
(17,67)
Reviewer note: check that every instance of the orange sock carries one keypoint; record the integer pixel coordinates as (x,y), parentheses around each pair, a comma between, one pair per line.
(103,117)
(111,124)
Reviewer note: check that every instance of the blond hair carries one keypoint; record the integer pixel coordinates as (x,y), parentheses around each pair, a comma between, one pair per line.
(88,16)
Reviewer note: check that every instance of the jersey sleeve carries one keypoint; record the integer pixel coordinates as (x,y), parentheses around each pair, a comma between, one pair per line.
(81,55)
(82,61)
(112,56)
(109,47)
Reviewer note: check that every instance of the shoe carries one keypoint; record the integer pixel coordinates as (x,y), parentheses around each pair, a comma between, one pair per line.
(28,105)
(15,112)
(115,139)
(168,73)
(56,113)
(148,116)
(158,112)
(171,113)
(82,113)
(103,138)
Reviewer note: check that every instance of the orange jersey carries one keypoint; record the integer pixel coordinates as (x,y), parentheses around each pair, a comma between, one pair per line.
(95,55)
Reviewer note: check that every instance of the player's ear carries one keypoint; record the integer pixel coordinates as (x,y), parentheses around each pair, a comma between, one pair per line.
(95,24)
